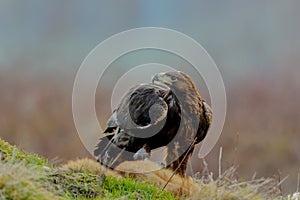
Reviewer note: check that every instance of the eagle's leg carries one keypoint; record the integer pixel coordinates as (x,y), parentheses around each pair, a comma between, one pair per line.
(181,159)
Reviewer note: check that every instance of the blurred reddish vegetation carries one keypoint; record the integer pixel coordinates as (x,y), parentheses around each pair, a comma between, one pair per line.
(261,132)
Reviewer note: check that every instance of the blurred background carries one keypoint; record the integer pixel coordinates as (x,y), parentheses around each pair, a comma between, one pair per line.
(255,44)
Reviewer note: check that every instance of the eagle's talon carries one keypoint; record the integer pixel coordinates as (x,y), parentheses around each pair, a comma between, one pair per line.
(143,153)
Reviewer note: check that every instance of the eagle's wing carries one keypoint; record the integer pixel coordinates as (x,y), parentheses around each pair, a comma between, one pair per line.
(141,113)
(142,109)
(205,121)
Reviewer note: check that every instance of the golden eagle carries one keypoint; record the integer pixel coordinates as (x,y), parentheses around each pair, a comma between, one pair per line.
(169,111)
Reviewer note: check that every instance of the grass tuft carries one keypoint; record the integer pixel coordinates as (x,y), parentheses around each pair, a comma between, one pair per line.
(21,181)
(12,154)
(227,186)
(29,176)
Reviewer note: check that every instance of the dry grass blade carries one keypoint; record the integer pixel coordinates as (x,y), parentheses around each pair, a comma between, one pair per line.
(220,163)
(298,182)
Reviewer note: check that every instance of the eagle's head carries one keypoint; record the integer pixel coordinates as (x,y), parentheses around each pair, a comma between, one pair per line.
(184,89)
(175,80)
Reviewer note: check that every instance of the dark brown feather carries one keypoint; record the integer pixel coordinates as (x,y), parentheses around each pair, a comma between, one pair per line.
(170,107)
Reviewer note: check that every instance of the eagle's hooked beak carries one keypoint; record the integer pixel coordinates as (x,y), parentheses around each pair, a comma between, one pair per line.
(162,78)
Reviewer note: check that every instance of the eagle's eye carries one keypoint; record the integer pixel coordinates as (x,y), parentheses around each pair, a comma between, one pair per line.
(173,78)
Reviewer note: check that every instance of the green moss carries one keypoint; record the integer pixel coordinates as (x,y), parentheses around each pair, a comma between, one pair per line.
(76,184)
(13,154)
(128,188)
